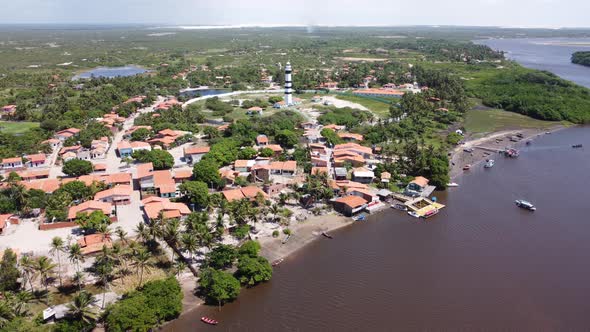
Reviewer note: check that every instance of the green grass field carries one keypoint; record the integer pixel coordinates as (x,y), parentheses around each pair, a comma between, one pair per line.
(379,108)
(485,121)
(8,127)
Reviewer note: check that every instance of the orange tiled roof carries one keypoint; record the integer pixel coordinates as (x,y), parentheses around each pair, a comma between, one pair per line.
(290,165)
(352,201)
(144,170)
(120,190)
(164,182)
(154,205)
(275,147)
(12,160)
(88,207)
(47,185)
(421,181)
(196,150)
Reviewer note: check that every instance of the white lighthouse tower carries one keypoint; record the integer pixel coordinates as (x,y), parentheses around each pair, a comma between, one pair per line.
(288,85)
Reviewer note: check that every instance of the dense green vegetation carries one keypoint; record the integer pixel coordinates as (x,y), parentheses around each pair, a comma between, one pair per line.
(581,58)
(537,94)
(156,302)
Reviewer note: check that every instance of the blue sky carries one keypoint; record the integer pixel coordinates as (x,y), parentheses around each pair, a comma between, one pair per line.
(529,13)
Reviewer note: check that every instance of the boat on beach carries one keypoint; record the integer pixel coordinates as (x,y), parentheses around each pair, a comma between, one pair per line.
(209,321)
(327,235)
(452,184)
(277,262)
(360,217)
(489,163)
(525,205)
(467,167)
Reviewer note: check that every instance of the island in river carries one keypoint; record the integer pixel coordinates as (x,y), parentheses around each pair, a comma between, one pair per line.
(581,58)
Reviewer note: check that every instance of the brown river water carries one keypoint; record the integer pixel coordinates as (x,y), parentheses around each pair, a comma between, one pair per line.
(481,264)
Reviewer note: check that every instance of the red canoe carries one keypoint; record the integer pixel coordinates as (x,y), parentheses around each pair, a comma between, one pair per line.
(209,321)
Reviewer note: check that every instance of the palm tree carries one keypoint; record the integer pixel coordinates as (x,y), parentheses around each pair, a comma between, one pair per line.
(142,260)
(142,233)
(20,303)
(103,229)
(75,255)
(170,234)
(274,209)
(45,266)
(104,271)
(190,243)
(57,247)
(81,308)
(78,279)
(26,264)
(178,266)
(121,234)
(6,313)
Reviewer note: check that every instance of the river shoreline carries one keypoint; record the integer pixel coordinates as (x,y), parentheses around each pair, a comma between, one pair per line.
(482,147)
(310,230)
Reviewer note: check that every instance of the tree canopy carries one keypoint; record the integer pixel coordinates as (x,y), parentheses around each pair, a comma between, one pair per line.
(77,167)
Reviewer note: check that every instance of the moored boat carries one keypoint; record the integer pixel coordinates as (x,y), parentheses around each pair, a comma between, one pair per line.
(577,146)
(430,213)
(452,184)
(467,167)
(413,214)
(209,321)
(489,163)
(525,205)
(277,262)
(399,206)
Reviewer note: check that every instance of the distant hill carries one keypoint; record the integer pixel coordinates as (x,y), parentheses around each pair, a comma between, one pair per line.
(581,58)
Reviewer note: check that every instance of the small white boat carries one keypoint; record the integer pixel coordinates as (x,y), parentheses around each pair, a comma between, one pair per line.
(489,164)
(452,184)
(525,205)
(414,214)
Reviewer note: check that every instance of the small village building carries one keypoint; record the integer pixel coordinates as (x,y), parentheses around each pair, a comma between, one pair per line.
(145,176)
(243,166)
(261,140)
(99,168)
(350,137)
(385,177)
(6,220)
(67,133)
(285,168)
(277,149)
(308,125)
(194,154)
(182,175)
(340,173)
(126,148)
(334,127)
(89,207)
(249,192)
(12,163)
(52,142)
(281,104)
(254,111)
(8,110)
(29,175)
(328,85)
(94,243)
(48,186)
(364,193)
(118,195)
(154,207)
(363,175)
(349,205)
(416,186)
